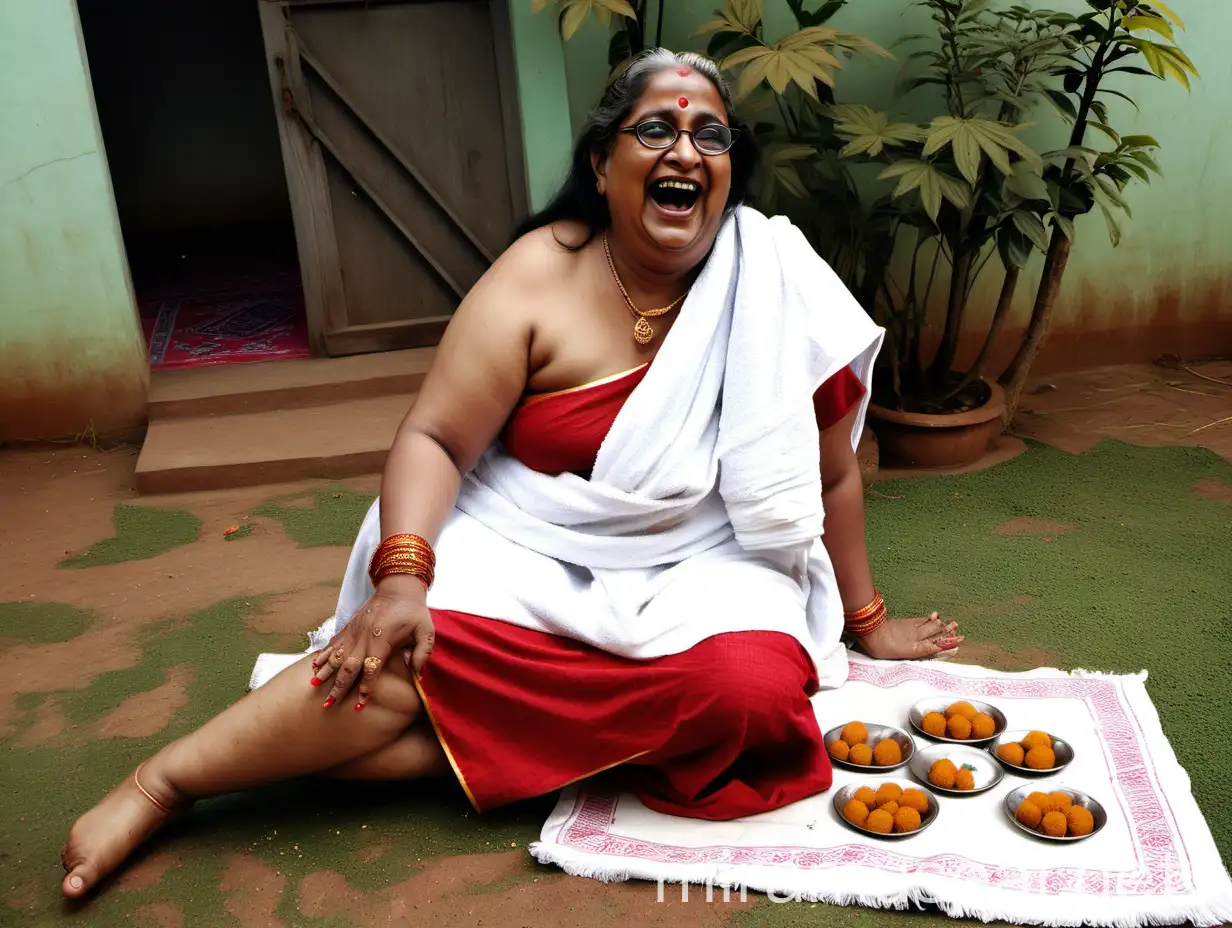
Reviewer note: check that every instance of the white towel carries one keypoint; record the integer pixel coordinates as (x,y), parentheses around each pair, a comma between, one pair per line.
(1154,863)
(703,512)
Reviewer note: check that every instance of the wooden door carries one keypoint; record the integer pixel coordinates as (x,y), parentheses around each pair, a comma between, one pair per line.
(402,146)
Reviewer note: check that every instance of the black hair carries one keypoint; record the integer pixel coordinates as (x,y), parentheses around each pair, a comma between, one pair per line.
(579,199)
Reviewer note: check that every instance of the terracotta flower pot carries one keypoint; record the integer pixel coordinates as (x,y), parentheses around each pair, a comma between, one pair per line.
(916,439)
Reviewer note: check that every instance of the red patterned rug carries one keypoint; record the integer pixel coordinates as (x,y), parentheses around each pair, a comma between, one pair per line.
(226,329)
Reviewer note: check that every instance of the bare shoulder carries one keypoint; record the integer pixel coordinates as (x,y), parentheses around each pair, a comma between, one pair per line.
(544,257)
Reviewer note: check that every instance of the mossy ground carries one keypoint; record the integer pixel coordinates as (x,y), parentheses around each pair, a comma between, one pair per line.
(1114,563)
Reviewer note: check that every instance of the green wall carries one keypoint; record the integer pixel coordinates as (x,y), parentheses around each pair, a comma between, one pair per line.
(71,350)
(543,95)
(1167,287)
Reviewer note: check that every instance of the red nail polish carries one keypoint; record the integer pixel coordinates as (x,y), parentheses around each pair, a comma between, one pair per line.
(948,645)
(359,706)
(316,681)
(329,702)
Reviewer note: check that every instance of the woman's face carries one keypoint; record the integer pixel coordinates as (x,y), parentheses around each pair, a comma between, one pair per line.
(667,204)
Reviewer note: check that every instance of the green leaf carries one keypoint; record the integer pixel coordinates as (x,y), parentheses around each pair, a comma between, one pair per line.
(1144,159)
(1026,183)
(1107,130)
(1063,103)
(1065,225)
(1163,10)
(1154,23)
(1117,93)
(1030,225)
(1114,229)
(1139,141)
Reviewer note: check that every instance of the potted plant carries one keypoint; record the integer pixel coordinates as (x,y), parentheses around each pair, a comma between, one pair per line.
(959,189)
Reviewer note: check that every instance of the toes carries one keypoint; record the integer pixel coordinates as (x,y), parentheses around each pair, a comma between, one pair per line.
(78,882)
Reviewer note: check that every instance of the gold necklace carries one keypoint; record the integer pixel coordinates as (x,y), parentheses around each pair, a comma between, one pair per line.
(642,332)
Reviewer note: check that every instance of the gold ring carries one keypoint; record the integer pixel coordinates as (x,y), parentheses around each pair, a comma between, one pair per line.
(337,656)
(376,633)
(372,665)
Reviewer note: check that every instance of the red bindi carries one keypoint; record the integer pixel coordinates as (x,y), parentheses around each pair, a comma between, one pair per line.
(683,102)
(684,70)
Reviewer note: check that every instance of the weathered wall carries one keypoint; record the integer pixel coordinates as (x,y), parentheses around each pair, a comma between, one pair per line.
(71,352)
(1167,287)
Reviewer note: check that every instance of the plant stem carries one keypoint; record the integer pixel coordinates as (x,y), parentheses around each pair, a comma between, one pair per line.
(1014,377)
(960,273)
(1008,285)
(659,25)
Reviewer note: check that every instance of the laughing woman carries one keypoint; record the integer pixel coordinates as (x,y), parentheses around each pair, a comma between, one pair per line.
(599,544)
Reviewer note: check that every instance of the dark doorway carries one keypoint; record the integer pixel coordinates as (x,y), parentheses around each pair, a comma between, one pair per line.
(191,137)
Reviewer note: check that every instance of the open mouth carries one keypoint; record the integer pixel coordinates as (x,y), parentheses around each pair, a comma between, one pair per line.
(675,194)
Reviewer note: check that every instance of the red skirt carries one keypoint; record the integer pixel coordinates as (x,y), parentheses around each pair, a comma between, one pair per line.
(721,731)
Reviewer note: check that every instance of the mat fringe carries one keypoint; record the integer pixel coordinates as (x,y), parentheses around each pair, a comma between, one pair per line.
(794,888)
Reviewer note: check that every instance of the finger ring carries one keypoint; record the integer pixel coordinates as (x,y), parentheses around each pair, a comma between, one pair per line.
(376,633)
(372,665)
(337,657)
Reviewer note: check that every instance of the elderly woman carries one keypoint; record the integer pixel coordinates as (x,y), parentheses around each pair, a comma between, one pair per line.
(599,544)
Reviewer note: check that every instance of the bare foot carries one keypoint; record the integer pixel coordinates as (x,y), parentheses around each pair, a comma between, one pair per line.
(105,836)
(910,639)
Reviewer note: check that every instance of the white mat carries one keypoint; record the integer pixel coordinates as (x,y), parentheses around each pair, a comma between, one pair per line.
(1154,863)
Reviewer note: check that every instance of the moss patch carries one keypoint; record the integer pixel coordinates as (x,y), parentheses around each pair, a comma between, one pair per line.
(41,623)
(326,517)
(140,532)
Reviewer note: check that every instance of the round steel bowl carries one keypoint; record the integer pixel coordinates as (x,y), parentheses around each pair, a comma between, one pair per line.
(1062,748)
(844,794)
(988,773)
(1015,797)
(934,704)
(876,733)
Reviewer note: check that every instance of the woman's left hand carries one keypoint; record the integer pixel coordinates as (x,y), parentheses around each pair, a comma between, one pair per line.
(909,639)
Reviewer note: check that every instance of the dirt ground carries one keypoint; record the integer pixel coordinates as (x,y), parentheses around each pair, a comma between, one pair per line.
(59,501)
(1143,404)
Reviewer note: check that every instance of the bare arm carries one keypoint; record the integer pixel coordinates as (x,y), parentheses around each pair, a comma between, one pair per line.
(843,497)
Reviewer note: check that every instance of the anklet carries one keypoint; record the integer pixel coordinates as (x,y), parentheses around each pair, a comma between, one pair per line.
(145,792)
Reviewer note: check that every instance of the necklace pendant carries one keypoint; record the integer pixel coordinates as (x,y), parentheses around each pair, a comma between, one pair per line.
(642,332)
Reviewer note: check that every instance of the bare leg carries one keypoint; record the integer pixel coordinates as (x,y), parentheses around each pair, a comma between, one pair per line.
(415,755)
(274,733)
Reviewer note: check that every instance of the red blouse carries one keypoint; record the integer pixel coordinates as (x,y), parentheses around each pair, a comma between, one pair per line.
(562,431)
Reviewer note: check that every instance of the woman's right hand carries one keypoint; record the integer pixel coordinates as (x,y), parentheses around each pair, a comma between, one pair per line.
(396,616)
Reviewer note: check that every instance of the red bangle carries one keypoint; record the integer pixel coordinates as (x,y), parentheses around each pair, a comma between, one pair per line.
(403,554)
(867,619)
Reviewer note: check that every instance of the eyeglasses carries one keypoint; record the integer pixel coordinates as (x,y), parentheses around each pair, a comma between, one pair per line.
(713,139)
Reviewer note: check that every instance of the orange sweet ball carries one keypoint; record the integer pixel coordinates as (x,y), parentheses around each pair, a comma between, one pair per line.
(1081,821)
(890,806)
(1061,802)
(1037,739)
(1029,814)
(1042,801)
(959,727)
(1012,753)
(1041,758)
(857,733)
(887,753)
(861,754)
(964,779)
(982,726)
(965,709)
(866,796)
(888,792)
(839,750)
(880,822)
(906,819)
(943,773)
(855,812)
(934,724)
(913,799)
(1054,825)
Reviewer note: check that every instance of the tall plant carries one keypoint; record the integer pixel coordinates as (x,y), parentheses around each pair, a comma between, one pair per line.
(1110,40)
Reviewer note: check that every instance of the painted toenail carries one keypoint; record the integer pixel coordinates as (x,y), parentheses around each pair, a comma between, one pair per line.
(76,882)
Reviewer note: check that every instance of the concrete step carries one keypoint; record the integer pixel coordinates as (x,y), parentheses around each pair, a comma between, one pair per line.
(328,441)
(283,385)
